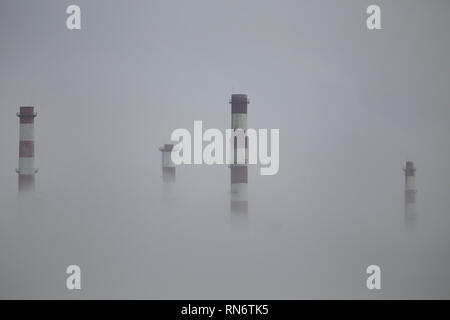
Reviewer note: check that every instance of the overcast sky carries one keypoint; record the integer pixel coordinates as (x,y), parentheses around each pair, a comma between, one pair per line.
(352,106)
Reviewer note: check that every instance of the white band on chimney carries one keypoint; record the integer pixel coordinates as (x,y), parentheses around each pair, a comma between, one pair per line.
(26,132)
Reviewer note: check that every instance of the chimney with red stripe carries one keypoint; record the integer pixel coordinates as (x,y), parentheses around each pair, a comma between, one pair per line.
(410,193)
(26,168)
(239,169)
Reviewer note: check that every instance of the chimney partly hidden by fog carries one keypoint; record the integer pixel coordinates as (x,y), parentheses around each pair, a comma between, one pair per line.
(239,169)
(410,193)
(26,169)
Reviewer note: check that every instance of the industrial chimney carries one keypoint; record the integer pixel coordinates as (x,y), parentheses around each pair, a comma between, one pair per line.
(410,193)
(26,168)
(239,168)
(168,167)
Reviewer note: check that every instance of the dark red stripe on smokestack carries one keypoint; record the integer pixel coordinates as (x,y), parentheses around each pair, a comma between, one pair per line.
(26,115)
(239,174)
(26,149)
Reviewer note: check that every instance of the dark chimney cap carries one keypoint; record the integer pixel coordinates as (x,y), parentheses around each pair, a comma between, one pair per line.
(239,99)
(409,165)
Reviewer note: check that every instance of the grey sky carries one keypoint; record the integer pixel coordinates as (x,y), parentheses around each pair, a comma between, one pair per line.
(352,106)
